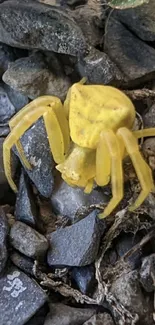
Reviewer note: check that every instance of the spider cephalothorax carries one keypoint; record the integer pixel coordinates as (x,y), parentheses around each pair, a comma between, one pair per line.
(89,136)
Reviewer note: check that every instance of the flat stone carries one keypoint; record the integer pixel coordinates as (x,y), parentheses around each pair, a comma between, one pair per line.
(140,20)
(100,319)
(147,273)
(34,25)
(98,68)
(66,315)
(68,201)
(4,230)
(20,297)
(132,56)
(75,245)
(23,262)
(28,241)
(25,208)
(6,55)
(84,278)
(128,292)
(31,76)
(37,151)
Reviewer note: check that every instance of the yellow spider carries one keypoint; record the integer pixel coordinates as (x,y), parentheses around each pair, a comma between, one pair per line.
(99,121)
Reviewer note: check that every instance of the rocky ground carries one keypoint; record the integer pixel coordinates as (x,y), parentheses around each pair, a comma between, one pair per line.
(60,264)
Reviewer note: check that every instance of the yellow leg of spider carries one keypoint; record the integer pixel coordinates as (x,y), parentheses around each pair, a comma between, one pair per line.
(58,138)
(144,133)
(141,167)
(110,153)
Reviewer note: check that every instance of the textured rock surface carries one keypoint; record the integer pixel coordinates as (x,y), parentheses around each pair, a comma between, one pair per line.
(132,56)
(98,68)
(23,262)
(32,77)
(140,20)
(65,315)
(147,273)
(6,55)
(100,319)
(25,209)
(4,229)
(28,241)
(36,148)
(20,297)
(33,25)
(68,201)
(75,245)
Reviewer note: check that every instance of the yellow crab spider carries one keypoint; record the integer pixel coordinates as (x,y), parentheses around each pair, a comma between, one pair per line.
(89,136)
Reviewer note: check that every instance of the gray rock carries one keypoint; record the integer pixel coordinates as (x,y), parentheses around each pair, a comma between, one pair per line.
(32,77)
(87,18)
(100,319)
(75,245)
(128,292)
(69,201)
(17,99)
(98,68)
(20,297)
(23,262)
(147,273)
(132,56)
(28,241)
(25,209)
(66,315)
(84,278)
(6,55)
(39,317)
(34,25)
(4,186)
(4,229)
(37,151)
(140,20)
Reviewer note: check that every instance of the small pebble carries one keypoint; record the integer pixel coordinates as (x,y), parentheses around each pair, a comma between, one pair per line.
(75,245)
(20,297)
(28,241)
(23,262)
(84,278)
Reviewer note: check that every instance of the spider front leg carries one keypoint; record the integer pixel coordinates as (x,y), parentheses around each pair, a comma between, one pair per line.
(58,134)
(109,156)
(141,167)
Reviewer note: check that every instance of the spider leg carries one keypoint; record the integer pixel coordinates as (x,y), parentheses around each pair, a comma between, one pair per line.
(109,152)
(59,147)
(144,133)
(40,101)
(141,167)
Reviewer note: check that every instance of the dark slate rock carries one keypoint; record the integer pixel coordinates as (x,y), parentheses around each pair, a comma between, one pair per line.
(147,273)
(127,290)
(100,319)
(84,278)
(17,99)
(4,129)
(32,77)
(25,209)
(66,315)
(75,245)
(37,151)
(4,229)
(124,243)
(6,55)
(132,56)
(28,241)
(33,25)
(4,186)
(7,110)
(140,20)
(68,201)
(20,297)
(98,68)
(23,262)
(39,317)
